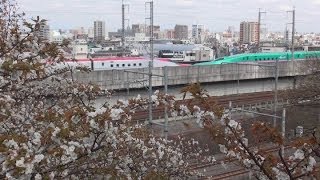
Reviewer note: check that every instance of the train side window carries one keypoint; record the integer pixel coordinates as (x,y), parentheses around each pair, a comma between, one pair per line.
(140,64)
(272,59)
(111,65)
(264,58)
(129,65)
(247,58)
(255,58)
(134,64)
(123,65)
(102,64)
(260,59)
(117,65)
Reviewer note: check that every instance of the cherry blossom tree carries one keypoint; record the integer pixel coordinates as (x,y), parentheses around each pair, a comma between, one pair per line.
(298,161)
(50,126)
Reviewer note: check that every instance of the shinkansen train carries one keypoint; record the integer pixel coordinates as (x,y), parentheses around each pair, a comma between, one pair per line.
(97,64)
(263,57)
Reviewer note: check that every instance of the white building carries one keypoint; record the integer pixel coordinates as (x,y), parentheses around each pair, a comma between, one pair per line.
(44,32)
(80,49)
(198,33)
(99,31)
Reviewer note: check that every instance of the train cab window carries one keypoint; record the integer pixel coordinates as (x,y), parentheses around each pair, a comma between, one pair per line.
(134,64)
(140,64)
(123,65)
(102,64)
(111,65)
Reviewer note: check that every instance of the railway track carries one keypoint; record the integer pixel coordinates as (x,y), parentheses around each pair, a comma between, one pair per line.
(232,173)
(239,100)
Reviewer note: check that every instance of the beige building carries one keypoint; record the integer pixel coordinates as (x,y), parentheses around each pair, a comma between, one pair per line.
(249,32)
(99,31)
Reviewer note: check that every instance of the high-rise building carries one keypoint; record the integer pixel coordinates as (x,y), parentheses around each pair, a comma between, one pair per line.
(156,31)
(198,32)
(249,32)
(99,31)
(181,32)
(138,28)
(169,34)
(44,32)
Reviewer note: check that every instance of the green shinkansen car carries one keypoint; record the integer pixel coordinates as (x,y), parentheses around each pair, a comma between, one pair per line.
(263,57)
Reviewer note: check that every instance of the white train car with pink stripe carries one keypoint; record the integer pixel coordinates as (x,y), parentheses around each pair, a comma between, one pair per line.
(98,64)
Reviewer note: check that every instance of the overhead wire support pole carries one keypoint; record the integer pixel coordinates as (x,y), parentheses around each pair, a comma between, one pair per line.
(292,35)
(259,26)
(151,62)
(123,35)
(276,91)
(276,77)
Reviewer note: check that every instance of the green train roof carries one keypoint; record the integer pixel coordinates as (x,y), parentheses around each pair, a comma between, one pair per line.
(249,57)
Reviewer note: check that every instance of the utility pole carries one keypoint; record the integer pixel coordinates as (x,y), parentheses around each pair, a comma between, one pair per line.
(292,37)
(123,36)
(293,30)
(275,105)
(151,61)
(259,26)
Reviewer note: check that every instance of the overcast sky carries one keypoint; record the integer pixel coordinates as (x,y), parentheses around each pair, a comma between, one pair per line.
(216,15)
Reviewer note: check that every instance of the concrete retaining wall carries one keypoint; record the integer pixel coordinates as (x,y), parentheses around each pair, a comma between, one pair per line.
(121,79)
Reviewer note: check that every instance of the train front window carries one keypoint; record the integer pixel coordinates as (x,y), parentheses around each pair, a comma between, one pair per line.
(219,59)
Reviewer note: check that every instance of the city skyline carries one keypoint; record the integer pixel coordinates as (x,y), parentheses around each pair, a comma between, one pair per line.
(216,15)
